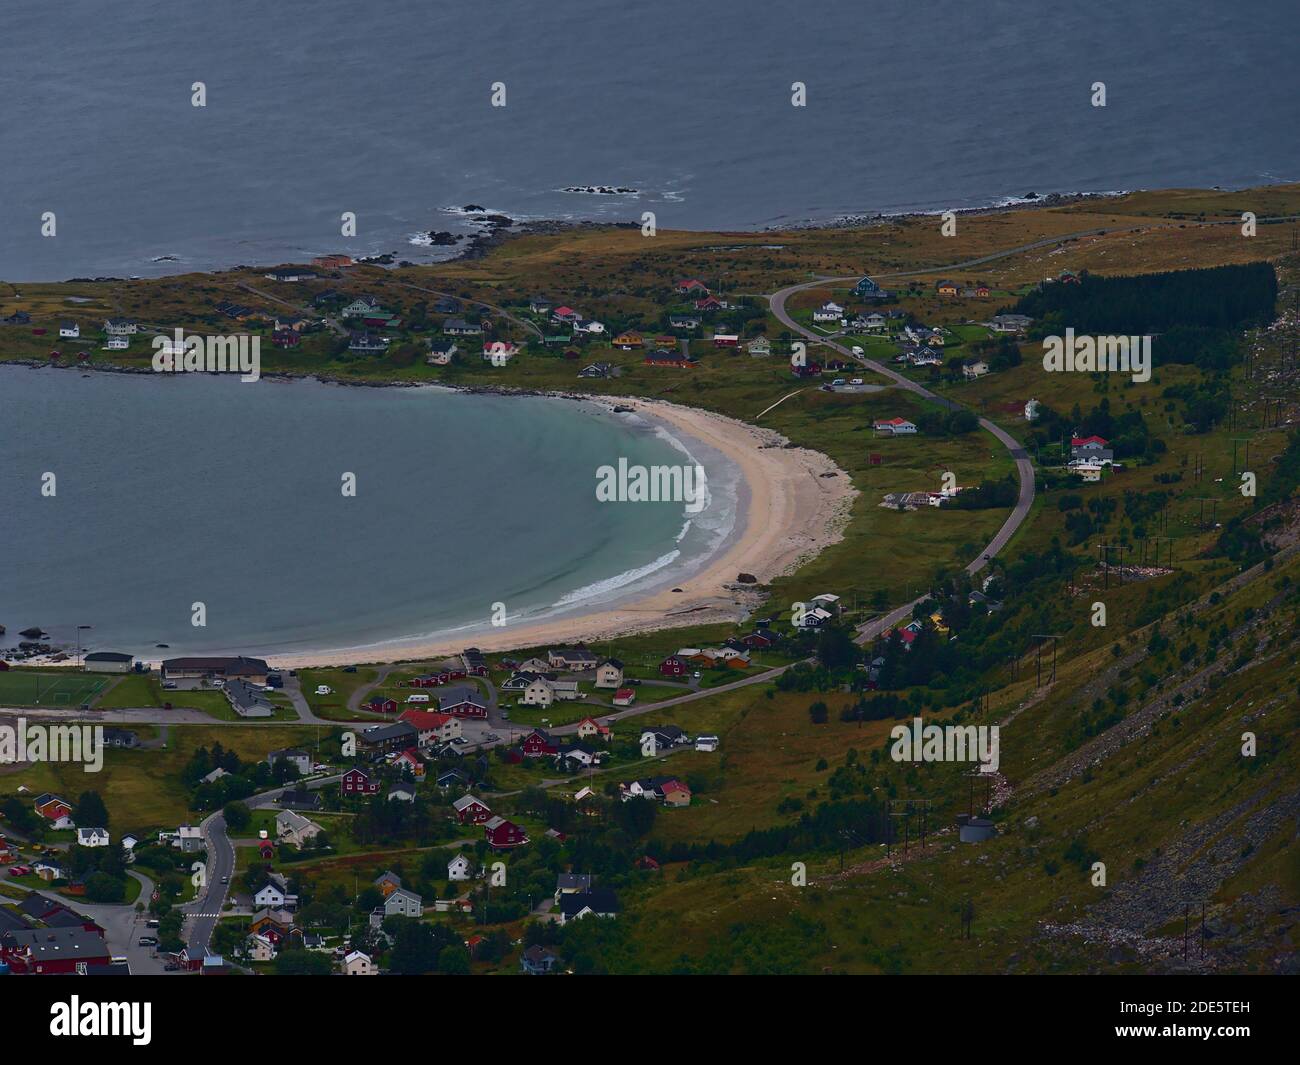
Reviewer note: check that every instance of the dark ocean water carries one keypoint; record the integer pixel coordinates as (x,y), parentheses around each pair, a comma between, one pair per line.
(317,108)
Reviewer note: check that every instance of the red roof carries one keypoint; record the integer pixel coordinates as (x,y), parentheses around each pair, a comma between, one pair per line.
(425,719)
(625,693)
(908,635)
(1080,441)
(562,311)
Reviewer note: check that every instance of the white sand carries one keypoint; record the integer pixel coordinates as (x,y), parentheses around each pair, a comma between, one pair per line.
(793,513)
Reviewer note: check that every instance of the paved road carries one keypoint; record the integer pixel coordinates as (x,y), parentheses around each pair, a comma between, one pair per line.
(203,913)
(1024,467)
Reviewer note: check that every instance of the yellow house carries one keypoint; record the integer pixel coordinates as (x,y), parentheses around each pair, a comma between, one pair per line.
(628,341)
(939,624)
(947,288)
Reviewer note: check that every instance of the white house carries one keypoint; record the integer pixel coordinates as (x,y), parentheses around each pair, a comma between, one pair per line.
(359,964)
(270,896)
(69,329)
(460,868)
(260,948)
(117,343)
(92,837)
(706,743)
(828,312)
(609,674)
(292,827)
(539,693)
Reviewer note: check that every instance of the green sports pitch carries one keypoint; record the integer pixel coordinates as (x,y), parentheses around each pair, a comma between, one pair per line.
(62,688)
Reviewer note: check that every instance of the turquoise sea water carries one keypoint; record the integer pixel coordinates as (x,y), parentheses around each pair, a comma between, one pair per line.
(198,489)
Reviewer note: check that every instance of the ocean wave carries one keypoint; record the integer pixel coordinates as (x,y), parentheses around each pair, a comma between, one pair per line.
(612,584)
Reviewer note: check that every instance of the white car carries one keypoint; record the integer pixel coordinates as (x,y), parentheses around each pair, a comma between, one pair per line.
(324,689)
(857,350)
(838,382)
(856,381)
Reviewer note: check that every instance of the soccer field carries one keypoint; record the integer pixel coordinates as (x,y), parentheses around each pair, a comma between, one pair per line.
(62,688)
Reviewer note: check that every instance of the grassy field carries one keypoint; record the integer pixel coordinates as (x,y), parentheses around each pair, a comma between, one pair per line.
(22,687)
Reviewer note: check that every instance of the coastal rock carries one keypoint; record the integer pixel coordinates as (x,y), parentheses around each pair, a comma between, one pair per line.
(747,578)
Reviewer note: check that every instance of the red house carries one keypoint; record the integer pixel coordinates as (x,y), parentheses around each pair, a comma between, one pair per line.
(286,338)
(265,849)
(691,285)
(673,666)
(462,702)
(357,781)
(502,833)
(380,705)
(757,640)
(470,811)
(538,743)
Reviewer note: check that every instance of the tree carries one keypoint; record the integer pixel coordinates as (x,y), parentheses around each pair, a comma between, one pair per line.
(237,815)
(836,649)
(90,811)
(454,960)
(819,713)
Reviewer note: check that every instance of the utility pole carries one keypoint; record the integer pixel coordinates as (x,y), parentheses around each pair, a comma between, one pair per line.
(1040,637)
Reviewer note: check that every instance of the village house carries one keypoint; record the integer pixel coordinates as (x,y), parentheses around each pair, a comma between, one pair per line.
(565,315)
(387,738)
(259,948)
(974,368)
(358,963)
(291,273)
(274,894)
(674,666)
(92,837)
(401,793)
(356,781)
(589,728)
(360,307)
(759,347)
(828,312)
(460,868)
(252,670)
(461,701)
(54,809)
(571,884)
(471,811)
(1010,323)
(628,340)
(539,305)
(624,697)
(403,903)
(459,327)
(724,339)
(409,764)
(502,834)
(664,737)
(500,352)
(609,674)
(684,321)
(292,827)
(669,357)
(595,902)
(893,427)
(441,352)
(538,960)
(574,659)
(538,743)
(947,288)
(121,327)
(433,728)
(69,329)
(294,756)
(598,371)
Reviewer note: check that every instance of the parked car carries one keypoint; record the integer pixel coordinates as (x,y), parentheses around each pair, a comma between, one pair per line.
(147,941)
(324,689)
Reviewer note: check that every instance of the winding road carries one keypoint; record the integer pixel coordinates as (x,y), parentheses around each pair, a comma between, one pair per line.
(1024,467)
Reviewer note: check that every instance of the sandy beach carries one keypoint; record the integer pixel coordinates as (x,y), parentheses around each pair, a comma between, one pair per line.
(793,513)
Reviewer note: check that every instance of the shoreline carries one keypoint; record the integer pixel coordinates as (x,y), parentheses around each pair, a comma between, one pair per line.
(786,492)
(795,502)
